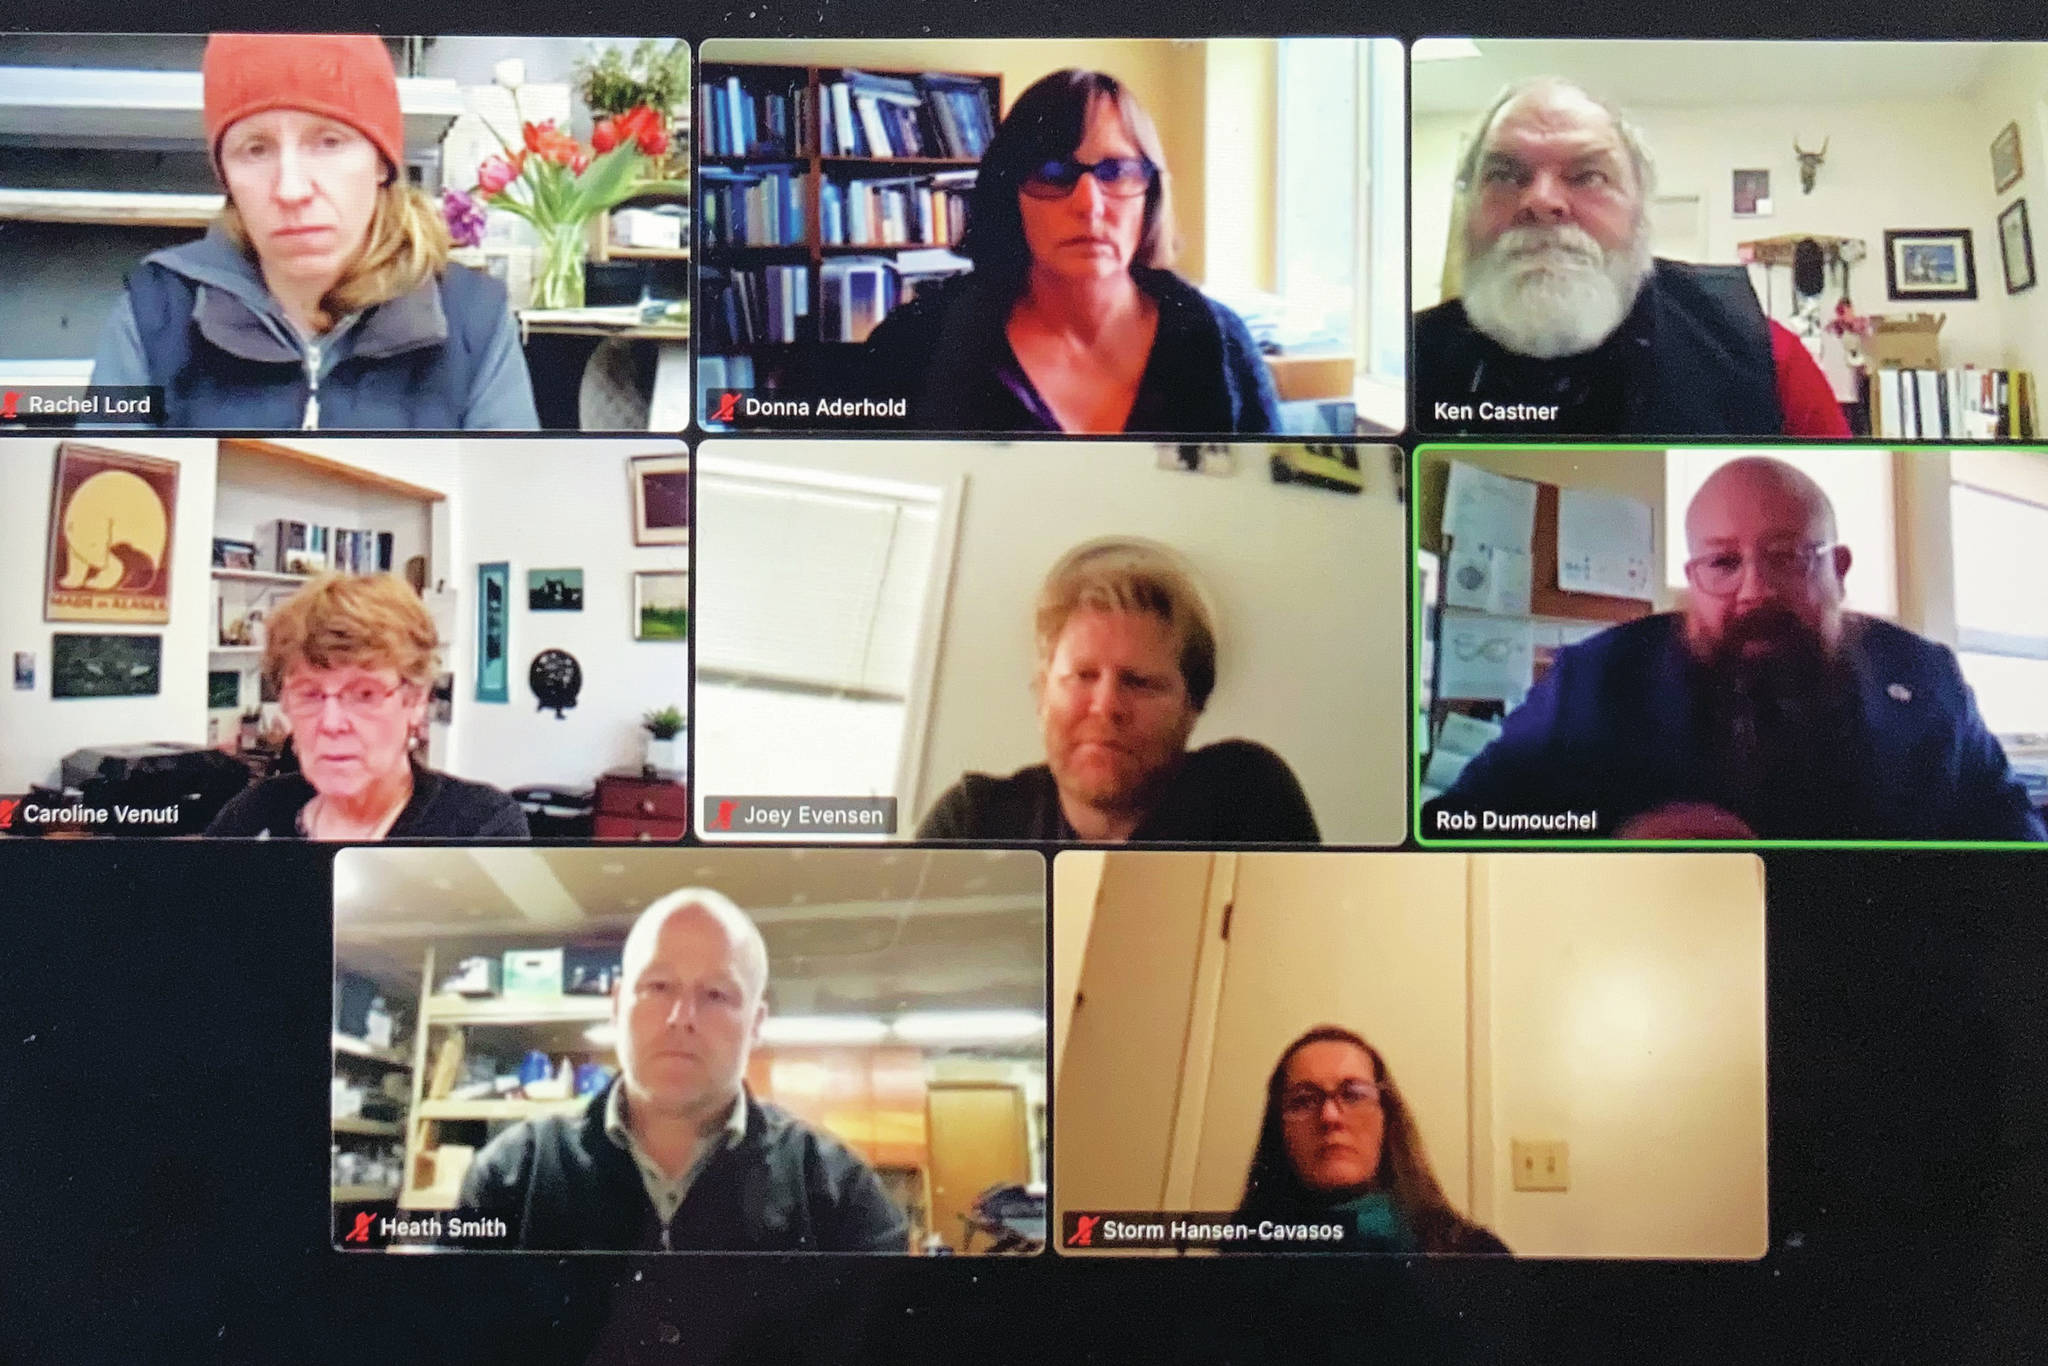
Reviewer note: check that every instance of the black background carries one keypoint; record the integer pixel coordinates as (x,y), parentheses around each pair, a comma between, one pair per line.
(164,1029)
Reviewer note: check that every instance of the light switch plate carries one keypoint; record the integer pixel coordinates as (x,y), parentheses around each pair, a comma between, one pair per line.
(1541,1165)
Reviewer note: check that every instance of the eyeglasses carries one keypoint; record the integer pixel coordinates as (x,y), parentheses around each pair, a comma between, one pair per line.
(1720,574)
(1306,1102)
(358,699)
(1120,177)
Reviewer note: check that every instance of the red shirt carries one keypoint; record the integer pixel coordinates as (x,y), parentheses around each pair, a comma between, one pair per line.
(1804,394)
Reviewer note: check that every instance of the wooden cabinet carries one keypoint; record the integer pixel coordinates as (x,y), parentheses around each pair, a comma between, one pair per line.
(631,805)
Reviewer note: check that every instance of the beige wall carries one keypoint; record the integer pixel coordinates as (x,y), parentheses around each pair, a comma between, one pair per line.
(1167,77)
(1076,882)
(2015,90)
(1623,996)
(1614,1002)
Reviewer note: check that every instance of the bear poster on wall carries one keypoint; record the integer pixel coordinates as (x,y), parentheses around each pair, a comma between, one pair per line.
(111,517)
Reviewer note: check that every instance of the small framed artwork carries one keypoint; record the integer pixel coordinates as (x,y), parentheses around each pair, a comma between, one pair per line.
(106,666)
(493,632)
(661,499)
(111,517)
(554,590)
(2016,247)
(223,689)
(1752,191)
(233,554)
(24,670)
(661,605)
(1929,263)
(2006,166)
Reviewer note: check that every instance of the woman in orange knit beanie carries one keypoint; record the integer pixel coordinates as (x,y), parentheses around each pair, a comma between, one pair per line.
(323,295)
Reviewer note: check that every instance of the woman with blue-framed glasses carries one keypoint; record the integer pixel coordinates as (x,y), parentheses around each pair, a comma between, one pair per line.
(1072,318)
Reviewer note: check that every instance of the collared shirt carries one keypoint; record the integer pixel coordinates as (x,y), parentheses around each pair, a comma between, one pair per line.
(666,1192)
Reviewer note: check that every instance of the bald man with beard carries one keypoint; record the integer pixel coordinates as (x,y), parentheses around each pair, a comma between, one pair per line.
(1763,710)
(1567,325)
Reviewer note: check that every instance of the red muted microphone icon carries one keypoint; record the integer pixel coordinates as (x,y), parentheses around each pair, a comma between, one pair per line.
(360,1233)
(8,806)
(723,820)
(8,404)
(724,412)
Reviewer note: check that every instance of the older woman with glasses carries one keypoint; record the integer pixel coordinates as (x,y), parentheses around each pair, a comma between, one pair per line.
(1072,318)
(352,660)
(1338,1146)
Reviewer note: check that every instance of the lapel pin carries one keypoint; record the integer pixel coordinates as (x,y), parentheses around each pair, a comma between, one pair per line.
(1899,692)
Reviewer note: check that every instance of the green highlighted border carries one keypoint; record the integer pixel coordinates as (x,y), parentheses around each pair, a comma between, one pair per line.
(1416,683)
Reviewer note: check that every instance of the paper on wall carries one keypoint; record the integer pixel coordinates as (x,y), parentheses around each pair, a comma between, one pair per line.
(1482,508)
(1484,657)
(1604,544)
(1488,579)
(1466,735)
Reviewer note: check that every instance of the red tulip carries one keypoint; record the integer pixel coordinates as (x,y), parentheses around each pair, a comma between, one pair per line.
(495,174)
(604,136)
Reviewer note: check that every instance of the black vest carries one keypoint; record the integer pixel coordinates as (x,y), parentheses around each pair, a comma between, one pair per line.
(424,388)
(1694,357)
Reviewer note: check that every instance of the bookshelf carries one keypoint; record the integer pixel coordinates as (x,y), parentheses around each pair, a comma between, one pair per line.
(826,194)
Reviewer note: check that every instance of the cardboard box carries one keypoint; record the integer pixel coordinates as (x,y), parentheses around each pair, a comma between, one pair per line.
(1904,341)
(533,972)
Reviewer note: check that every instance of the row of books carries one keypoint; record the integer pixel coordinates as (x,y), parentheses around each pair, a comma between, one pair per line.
(756,306)
(925,210)
(932,115)
(1964,405)
(762,206)
(862,114)
(292,547)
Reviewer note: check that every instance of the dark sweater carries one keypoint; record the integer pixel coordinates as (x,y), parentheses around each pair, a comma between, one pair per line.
(1233,791)
(560,1183)
(441,808)
(949,353)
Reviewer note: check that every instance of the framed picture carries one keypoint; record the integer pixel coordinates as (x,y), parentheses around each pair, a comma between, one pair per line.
(2016,247)
(24,670)
(2006,166)
(493,630)
(661,605)
(106,666)
(1929,263)
(111,517)
(223,690)
(1752,192)
(661,499)
(233,554)
(554,590)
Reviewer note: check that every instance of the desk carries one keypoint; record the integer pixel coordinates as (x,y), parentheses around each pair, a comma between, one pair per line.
(560,343)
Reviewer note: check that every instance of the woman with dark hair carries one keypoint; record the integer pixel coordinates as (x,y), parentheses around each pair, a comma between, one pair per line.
(1339,1146)
(1072,318)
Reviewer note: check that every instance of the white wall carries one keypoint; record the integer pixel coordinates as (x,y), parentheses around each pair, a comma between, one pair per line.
(36,730)
(558,505)
(1891,164)
(1625,994)
(2015,90)
(1307,586)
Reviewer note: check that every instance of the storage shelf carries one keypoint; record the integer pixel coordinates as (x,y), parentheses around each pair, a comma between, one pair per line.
(647,253)
(251,650)
(499,1109)
(379,1128)
(516,1010)
(356,1048)
(260,576)
(356,1195)
(117,208)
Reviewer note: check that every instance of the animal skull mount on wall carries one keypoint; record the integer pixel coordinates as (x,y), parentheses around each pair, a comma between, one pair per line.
(1809,163)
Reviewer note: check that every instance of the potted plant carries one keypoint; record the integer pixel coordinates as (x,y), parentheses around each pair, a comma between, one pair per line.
(663,727)
(616,81)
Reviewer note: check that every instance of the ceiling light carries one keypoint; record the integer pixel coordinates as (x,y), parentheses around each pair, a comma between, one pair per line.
(822,1029)
(968,1026)
(1443,50)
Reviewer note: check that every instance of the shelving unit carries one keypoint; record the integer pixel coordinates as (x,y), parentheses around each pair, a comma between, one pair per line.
(370,1066)
(810,360)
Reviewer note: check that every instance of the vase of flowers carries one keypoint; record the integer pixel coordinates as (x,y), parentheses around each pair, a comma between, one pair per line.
(558,185)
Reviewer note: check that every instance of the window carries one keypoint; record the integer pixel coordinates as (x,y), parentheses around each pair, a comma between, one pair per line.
(815,598)
(2001,613)
(1857,482)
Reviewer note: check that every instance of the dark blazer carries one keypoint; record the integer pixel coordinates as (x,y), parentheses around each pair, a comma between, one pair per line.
(560,1183)
(948,352)
(1613,728)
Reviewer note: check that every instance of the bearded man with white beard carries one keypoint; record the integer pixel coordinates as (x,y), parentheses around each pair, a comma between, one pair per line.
(1567,325)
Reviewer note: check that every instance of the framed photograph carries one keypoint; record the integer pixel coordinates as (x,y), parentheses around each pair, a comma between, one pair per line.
(554,590)
(223,690)
(24,670)
(1752,192)
(661,499)
(1929,263)
(2016,247)
(493,632)
(111,517)
(106,666)
(661,605)
(233,554)
(2006,166)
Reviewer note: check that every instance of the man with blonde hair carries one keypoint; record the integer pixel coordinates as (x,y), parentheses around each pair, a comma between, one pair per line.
(675,1155)
(1126,661)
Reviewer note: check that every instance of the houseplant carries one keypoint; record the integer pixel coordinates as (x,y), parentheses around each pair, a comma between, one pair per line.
(650,75)
(663,747)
